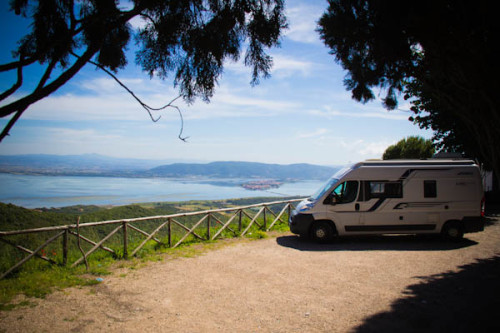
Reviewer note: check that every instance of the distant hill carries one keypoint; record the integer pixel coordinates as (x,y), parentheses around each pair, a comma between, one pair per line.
(99,165)
(244,170)
(76,161)
(91,164)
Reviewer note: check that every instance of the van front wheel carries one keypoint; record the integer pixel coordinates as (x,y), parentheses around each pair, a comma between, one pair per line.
(321,232)
(453,231)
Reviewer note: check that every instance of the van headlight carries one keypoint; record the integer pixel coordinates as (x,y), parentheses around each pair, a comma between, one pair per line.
(306,207)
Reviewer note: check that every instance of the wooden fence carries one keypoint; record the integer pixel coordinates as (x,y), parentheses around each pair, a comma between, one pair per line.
(207,219)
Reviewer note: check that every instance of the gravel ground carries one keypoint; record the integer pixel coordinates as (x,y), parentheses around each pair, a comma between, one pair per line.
(285,284)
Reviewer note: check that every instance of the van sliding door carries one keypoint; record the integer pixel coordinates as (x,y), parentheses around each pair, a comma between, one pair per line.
(375,207)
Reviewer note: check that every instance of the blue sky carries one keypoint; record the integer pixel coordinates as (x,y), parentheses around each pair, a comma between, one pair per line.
(301,114)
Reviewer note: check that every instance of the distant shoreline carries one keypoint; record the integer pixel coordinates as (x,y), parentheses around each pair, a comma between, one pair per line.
(247,183)
(116,174)
(33,191)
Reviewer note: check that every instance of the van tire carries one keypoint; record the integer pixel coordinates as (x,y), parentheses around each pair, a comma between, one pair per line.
(453,231)
(321,232)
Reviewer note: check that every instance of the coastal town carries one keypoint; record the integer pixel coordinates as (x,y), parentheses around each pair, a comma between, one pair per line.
(260,185)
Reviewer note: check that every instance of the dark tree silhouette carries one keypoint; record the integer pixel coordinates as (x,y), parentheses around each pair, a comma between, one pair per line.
(440,54)
(190,39)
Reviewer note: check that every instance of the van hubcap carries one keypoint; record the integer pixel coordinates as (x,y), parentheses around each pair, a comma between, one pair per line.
(453,232)
(320,233)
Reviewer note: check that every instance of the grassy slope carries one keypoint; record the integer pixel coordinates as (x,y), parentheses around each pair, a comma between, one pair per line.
(37,278)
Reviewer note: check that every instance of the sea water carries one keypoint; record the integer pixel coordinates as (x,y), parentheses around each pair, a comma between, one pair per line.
(34,191)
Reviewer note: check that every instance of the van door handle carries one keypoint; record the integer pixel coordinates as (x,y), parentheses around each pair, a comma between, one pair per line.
(356,206)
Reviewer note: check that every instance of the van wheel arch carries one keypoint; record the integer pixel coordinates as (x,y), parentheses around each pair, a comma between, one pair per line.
(322,231)
(453,230)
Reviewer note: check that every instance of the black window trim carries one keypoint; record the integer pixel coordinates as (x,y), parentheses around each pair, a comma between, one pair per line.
(344,184)
(430,188)
(367,189)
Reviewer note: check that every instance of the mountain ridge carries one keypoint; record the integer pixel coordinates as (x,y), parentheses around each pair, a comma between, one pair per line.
(100,165)
(238,169)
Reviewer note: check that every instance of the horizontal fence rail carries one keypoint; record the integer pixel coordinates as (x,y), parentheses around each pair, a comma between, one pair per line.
(215,223)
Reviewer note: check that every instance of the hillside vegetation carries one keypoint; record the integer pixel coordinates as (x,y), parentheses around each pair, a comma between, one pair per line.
(13,217)
(37,277)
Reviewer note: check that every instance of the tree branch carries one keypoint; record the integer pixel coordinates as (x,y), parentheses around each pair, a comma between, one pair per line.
(42,90)
(39,94)
(19,106)
(144,105)
(15,64)
(12,121)
(46,75)
(16,85)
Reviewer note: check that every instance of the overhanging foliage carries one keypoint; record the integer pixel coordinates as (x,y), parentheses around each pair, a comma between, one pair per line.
(439,54)
(190,39)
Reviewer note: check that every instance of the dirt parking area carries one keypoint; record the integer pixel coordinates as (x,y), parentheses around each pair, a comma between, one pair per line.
(285,284)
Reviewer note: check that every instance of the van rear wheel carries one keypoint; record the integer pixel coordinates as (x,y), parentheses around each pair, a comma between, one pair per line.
(453,231)
(321,232)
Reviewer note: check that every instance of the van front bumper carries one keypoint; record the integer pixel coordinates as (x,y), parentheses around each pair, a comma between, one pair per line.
(300,223)
(473,223)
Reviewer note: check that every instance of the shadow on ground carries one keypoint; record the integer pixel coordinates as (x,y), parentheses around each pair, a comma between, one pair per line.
(463,301)
(388,243)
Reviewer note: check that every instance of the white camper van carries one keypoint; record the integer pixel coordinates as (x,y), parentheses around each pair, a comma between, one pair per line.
(395,197)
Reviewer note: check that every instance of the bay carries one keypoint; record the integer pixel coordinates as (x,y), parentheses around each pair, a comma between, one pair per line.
(33,191)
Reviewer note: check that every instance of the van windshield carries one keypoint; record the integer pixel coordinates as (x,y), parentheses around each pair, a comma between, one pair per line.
(330,183)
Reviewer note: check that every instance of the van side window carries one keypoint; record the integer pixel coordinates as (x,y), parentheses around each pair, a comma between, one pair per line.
(430,189)
(384,189)
(346,192)
(377,188)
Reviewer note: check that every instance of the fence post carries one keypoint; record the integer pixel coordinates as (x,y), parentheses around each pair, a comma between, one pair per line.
(65,246)
(265,224)
(208,227)
(125,241)
(169,232)
(239,221)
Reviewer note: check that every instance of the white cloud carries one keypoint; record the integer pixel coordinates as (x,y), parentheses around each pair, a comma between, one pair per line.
(349,143)
(70,135)
(225,96)
(374,149)
(404,106)
(63,140)
(315,134)
(285,66)
(104,99)
(364,149)
(367,149)
(106,85)
(70,107)
(364,112)
(302,23)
